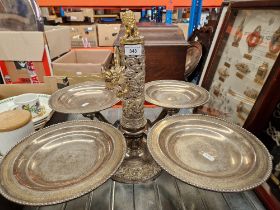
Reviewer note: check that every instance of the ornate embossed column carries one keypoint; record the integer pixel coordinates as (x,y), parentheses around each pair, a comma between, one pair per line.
(138,165)
(134,77)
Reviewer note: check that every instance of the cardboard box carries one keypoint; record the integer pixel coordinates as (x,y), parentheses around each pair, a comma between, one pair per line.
(82,62)
(50,85)
(79,16)
(18,72)
(57,40)
(59,82)
(184,27)
(107,34)
(7,91)
(29,45)
(21,46)
(83,36)
(75,16)
(18,47)
(53,19)
(88,13)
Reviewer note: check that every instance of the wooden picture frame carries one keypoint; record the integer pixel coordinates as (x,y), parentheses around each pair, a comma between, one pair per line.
(265,99)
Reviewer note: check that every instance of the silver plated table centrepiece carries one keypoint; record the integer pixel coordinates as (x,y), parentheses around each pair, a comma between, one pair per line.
(61,162)
(209,153)
(127,76)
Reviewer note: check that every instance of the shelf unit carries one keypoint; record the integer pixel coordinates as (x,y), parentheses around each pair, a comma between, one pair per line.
(195,5)
(169,4)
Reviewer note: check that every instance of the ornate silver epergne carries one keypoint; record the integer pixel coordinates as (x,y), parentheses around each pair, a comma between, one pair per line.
(138,165)
(206,152)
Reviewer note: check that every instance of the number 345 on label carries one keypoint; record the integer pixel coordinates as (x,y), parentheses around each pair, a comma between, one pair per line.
(133,49)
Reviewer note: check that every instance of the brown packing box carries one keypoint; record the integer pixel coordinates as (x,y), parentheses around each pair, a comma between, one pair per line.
(82,62)
(58,82)
(50,85)
(21,46)
(7,91)
(16,47)
(80,16)
(107,34)
(17,70)
(29,45)
(83,36)
(75,16)
(53,19)
(57,40)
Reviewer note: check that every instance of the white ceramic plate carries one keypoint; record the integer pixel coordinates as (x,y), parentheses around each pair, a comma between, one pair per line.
(7,104)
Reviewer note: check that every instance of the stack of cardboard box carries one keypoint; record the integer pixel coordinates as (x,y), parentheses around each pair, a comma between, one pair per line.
(39,47)
(94,35)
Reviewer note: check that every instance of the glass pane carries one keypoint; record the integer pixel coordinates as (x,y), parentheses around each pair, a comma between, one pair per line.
(245,57)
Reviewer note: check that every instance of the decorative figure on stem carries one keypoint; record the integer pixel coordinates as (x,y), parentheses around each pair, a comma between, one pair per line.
(131,30)
(114,76)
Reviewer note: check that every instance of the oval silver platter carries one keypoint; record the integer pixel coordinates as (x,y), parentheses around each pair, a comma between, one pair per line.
(87,97)
(61,162)
(209,153)
(175,94)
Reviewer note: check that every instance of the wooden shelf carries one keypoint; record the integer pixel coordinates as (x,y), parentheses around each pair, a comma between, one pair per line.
(106,16)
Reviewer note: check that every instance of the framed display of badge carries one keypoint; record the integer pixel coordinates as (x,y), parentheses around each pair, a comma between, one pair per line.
(243,75)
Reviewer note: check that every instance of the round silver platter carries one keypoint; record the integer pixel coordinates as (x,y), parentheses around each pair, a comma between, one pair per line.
(87,97)
(175,94)
(61,162)
(209,153)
